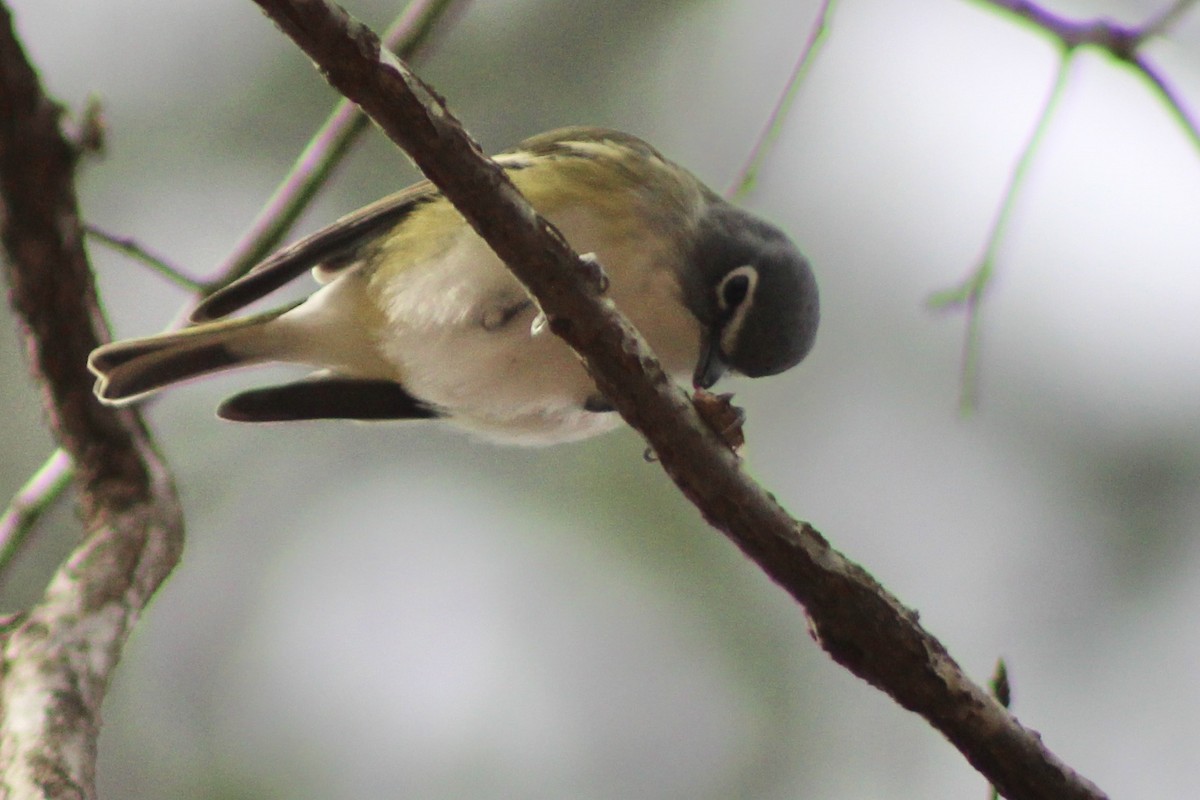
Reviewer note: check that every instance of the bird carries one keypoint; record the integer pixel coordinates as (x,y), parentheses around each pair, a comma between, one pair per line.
(415,318)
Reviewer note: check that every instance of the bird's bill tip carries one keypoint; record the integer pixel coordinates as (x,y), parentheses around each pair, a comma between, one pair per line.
(711,366)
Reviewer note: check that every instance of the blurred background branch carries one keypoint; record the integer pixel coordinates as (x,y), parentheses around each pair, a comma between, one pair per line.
(1121,42)
(413,37)
(969,294)
(139,252)
(28,505)
(743,182)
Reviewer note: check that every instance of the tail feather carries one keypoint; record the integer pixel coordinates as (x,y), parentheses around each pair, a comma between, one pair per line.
(128,371)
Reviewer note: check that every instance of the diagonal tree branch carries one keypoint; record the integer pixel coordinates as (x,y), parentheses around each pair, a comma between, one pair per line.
(858,623)
(57,658)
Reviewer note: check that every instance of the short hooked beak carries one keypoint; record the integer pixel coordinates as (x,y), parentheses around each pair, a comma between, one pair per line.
(711,366)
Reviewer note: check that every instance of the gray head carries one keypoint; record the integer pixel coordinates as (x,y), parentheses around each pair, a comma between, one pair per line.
(754,294)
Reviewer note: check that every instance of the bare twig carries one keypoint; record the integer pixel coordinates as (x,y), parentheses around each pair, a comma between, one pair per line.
(748,174)
(1117,39)
(1121,42)
(411,37)
(969,293)
(1106,34)
(1175,105)
(134,249)
(28,505)
(1165,20)
(857,621)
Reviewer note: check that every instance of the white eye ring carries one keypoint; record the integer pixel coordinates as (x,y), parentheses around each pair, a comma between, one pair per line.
(737,285)
(739,304)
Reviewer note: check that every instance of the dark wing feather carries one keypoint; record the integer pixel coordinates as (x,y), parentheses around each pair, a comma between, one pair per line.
(335,247)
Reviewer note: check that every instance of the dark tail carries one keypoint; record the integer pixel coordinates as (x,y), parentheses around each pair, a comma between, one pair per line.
(129,370)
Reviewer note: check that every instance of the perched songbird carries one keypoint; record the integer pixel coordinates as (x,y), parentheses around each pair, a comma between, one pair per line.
(417,318)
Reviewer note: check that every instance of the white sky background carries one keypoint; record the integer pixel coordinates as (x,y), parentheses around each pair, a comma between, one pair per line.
(368,611)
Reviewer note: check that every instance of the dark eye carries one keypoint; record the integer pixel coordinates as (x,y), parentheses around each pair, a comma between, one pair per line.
(734,290)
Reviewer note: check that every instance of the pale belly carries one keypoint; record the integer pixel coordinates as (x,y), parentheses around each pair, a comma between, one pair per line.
(509,384)
(466,345)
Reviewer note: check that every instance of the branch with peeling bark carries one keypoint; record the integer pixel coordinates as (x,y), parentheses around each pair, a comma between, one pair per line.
(858,622)
(58,657)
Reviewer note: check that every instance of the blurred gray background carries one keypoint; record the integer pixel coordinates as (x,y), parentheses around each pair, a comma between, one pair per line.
(406,612)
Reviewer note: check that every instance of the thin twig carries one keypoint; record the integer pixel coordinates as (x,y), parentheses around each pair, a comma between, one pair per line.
(1168,95)
(133,248)
(969,293)
(412,36)
(1106,34)
(860,624)
(748,174)
(1121,42)
(30,502)
(1166,19)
